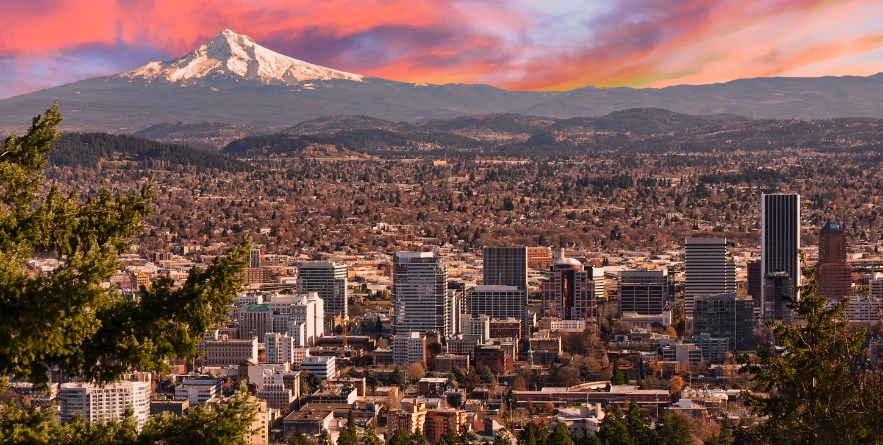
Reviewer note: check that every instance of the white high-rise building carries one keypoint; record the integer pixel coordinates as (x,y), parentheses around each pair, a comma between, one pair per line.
(326,279)
(479,325)
(408,347)
(419,294)
(307,310)
(707,270)
(279,348)
(106,402)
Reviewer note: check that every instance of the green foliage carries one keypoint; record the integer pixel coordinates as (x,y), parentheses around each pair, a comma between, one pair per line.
(274,144)
(227,424)
(400,437)
(88,149)
(348,433)
(534,434)
(721,438)
(324,438)
(673,429)
(398,377)
(639,425)
(299,439)
(371,436)
(66,319)
(418,438)
(823,388)
(614,429)
(560,435)
(502,438)
(487,376)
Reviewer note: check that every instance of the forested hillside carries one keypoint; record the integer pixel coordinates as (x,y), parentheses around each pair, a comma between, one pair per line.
(88,149)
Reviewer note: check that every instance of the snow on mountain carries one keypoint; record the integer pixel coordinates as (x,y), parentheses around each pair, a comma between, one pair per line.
(235,56)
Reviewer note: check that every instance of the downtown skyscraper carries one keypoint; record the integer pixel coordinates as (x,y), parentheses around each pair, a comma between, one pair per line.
(504,292)
(420,295)
(779,238)
(708,272)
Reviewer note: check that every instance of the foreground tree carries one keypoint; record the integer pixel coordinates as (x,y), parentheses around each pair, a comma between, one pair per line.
(65,319)
(824,387)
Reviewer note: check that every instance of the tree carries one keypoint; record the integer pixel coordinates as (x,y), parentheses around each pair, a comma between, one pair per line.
(450,437)
(400,437)
(824,388)
(371,435)
(348,433)
(560,435)
(502,438)
(398,377)
(418,438)
(487,376)
(534,434)
(299,439)
(673,429)
(675,384)
(324,438)
(66,319)
(723,437)
(619,377)
(614,429)
(416,371)
(638,425)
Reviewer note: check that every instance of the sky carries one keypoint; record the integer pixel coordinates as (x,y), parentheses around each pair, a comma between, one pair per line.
(511,44)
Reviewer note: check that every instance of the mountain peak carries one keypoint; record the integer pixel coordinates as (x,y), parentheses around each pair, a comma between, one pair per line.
(232,56)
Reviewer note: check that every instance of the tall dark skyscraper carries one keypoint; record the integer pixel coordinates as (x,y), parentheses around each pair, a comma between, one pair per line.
(780,236)
(835,275)
(569,293)
(503,266)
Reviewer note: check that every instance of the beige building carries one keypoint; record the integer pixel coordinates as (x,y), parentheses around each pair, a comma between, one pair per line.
(411,419)
(224,352)
(439,421)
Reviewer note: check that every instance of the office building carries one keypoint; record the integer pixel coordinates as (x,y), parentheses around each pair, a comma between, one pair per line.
(780,237)
(420,295)
(708,272)
(505,266)
(324,367)
(108,402)
(255,320)
(328,280)
(223,351)
(755,282)
(408,347)
(498,302)
(726,316)
(198,390)
(300,316)
(643,291)
(479,325)
(279,348)
(439,421)
(255,258)
(569,293)
(777,287)
(835,274)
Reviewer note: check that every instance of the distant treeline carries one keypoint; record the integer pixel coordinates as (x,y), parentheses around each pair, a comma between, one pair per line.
(88,149)
(273,144)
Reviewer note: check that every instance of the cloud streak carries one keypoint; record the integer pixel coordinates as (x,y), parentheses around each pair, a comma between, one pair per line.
(512,44)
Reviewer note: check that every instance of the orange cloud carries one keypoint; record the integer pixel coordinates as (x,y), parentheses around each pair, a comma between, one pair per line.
(512,44)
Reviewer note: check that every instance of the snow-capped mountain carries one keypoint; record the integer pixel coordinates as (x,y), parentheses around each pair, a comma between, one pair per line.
(231,56)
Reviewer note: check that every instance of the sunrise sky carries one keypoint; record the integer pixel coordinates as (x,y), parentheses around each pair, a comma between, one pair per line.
(512,44)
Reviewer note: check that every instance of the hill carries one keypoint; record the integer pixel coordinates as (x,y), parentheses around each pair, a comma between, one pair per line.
(290,145)
(203,135)
(88,149)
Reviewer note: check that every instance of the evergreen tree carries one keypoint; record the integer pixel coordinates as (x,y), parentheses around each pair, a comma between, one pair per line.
(466,436)
(587,439)
(324,438)
(371,435)
(673,429)
(398,377)
(638,425)
(418,438)
(450,437)
(534,434)
(614,429)
(560,435)
(824,388)
(299,439)
(400,437)
(348,433)
(502,438)
(67,319)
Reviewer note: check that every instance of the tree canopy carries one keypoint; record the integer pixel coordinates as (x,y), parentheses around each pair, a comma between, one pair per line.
(67,320)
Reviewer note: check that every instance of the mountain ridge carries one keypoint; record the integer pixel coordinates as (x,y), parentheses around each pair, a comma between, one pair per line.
(232,80)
